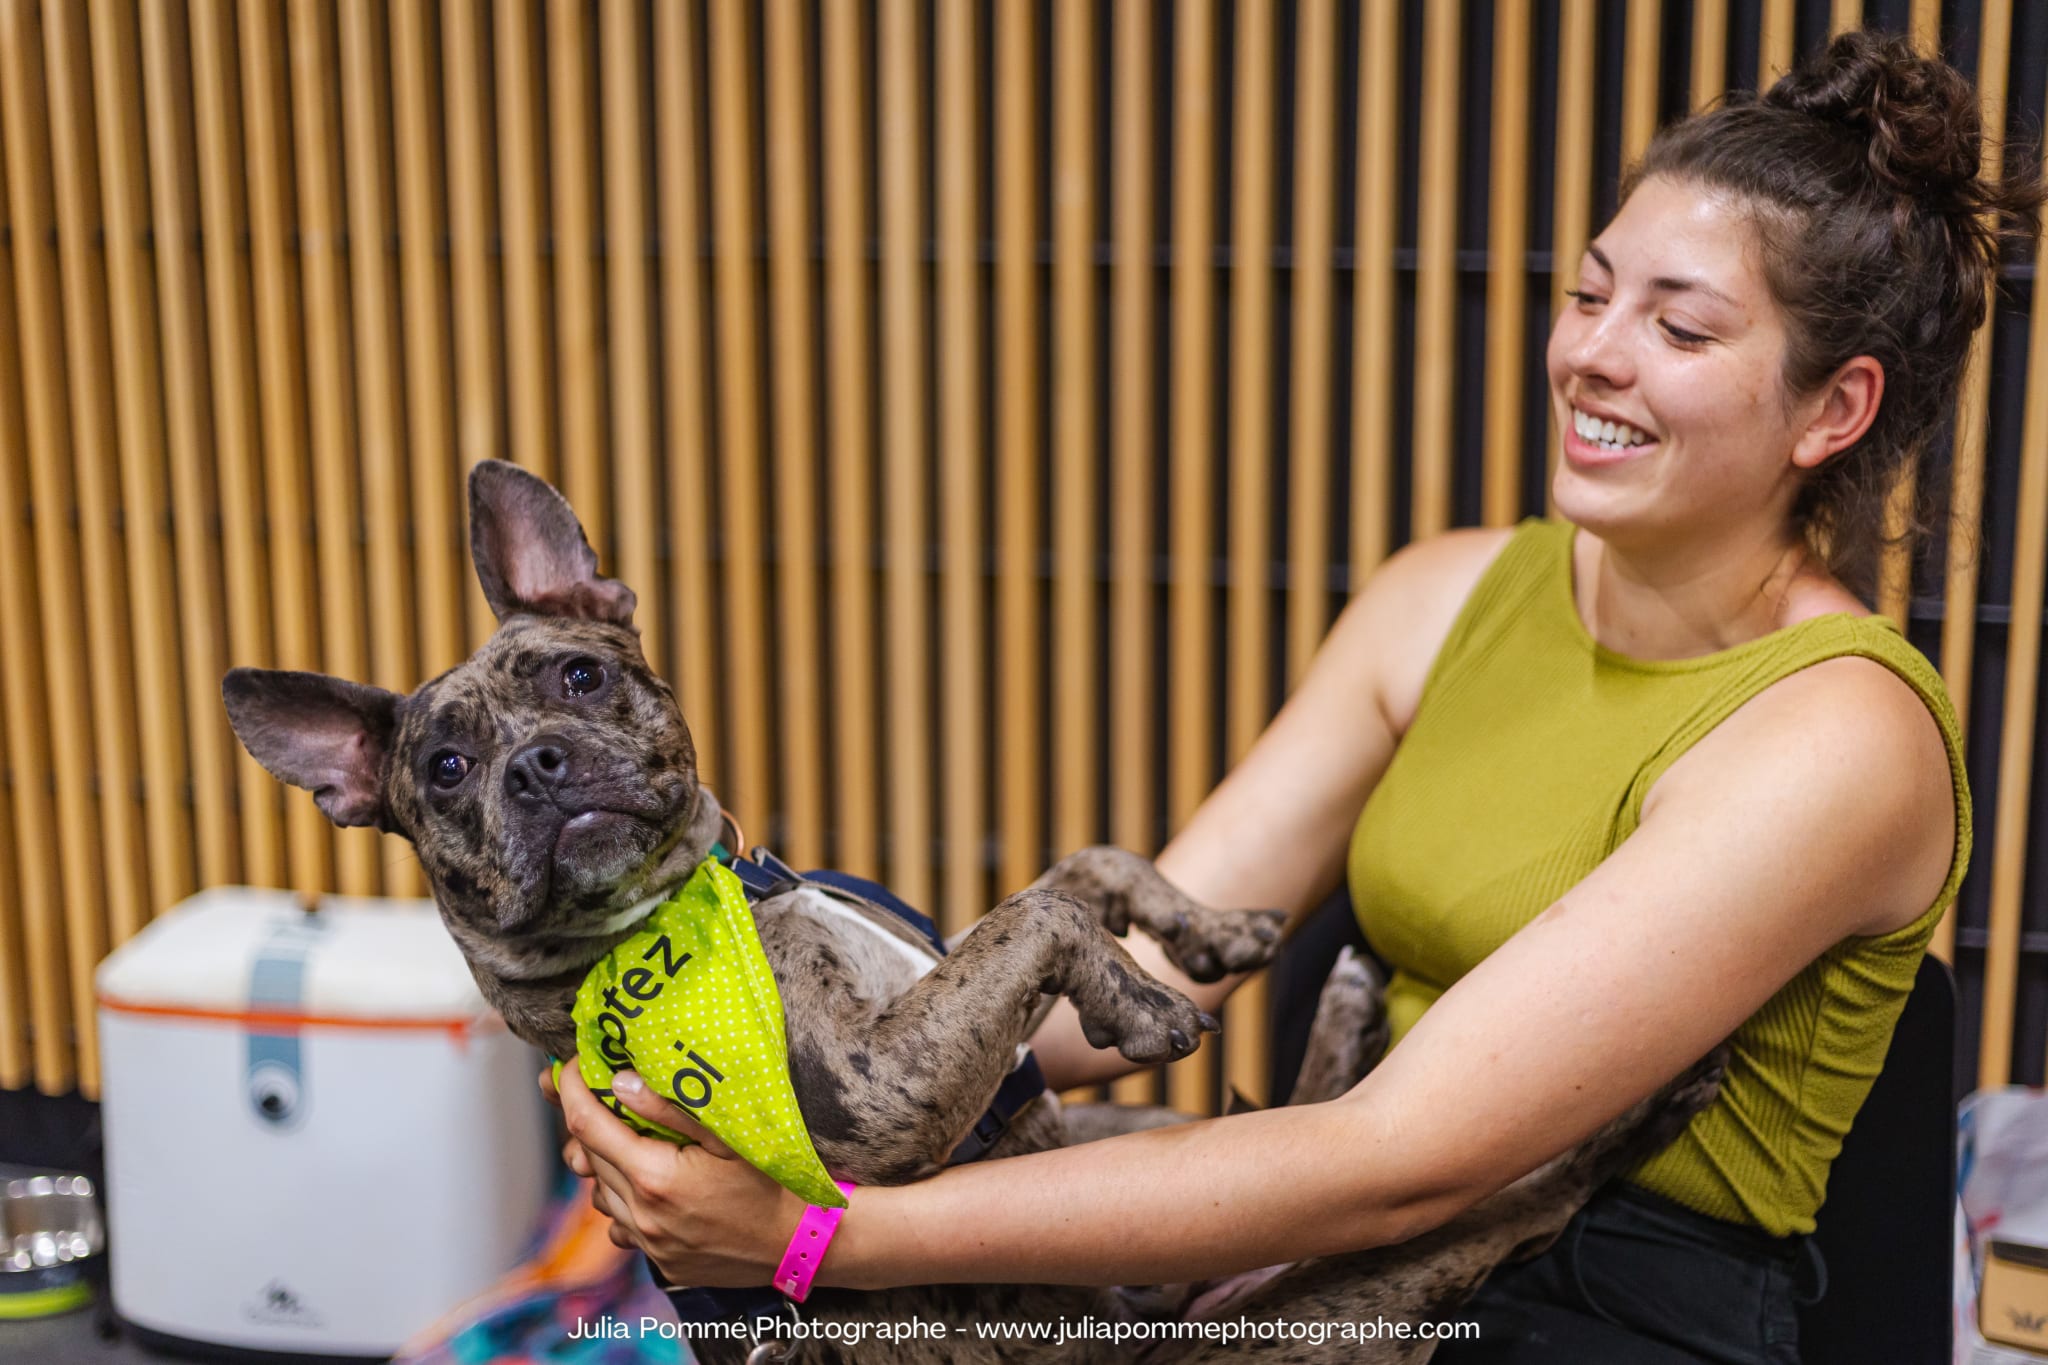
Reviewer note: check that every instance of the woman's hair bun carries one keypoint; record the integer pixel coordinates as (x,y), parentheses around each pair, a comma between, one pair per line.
(1919,114)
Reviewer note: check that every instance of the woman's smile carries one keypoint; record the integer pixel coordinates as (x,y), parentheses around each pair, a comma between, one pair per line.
(1591,440)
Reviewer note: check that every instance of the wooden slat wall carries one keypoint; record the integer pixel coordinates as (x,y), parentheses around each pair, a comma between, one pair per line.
(838,321)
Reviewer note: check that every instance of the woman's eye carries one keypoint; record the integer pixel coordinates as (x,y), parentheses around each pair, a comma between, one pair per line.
(449,769)
(1679,334)
(1583,297)
(582,677)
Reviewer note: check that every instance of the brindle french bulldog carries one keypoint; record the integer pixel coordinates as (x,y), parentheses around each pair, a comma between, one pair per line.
(550,787)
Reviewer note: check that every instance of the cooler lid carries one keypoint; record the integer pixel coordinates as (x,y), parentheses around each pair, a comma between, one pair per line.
(254,949)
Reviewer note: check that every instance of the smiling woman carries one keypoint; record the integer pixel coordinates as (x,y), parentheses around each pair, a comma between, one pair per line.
(1608,790)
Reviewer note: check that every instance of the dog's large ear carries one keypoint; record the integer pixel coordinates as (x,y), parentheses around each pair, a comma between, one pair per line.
(530,551)
(324,734)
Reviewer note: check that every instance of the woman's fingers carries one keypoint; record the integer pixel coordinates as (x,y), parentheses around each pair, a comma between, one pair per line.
(606,1138)
(632,1092)
(547,1087)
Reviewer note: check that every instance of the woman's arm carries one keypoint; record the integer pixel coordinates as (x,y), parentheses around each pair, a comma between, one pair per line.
(1821,809)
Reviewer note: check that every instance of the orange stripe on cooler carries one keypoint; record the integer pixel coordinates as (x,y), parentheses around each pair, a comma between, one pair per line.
(279,1021)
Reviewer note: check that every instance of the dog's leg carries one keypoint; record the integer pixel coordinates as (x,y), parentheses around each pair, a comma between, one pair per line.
(1127,889)
(1350,1032)
(1088,1122)
(1432,1273)
(888,1091)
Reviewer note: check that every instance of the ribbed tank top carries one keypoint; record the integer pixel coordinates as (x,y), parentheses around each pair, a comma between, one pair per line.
(1526,764)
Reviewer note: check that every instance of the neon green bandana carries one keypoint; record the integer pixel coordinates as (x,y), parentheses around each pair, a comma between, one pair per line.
(690,1004)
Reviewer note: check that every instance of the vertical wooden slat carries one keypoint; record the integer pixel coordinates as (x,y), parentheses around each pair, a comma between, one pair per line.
(580,350)
(337,515)
(195,493)
(366,139)
(903,445)
(2021,719)
(231,368)
(1021,756)
(963,705)
(685,370)
(281,384)
(139,432)
(478,435)
(1895,563)
(15,1073)
(1313,305)
(1076,749)
(1436,284)
(529,384)
(1966,499)
(580,359)
(1572,209)
(855,744)
(1709,51)
(57,840)
(1507,236)
(1924,24)
(627,320)
(1192,442)
(1133,808)
(1780,34)
(1252,473)
(1639,78)
(740,440)
(800,724)
(1844,16)
(1378,208)
(94,454)
(437,546)
(26,869)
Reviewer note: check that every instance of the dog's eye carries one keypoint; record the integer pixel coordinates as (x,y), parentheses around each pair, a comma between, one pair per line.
(449,768)
(582,677)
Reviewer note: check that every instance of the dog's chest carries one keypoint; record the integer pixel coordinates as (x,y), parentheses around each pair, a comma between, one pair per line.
(819,945)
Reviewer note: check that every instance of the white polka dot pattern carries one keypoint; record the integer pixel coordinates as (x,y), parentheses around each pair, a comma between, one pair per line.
(690,1004)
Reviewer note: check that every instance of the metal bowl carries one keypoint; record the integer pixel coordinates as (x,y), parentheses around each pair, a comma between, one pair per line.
(49,1229)
(48,1221)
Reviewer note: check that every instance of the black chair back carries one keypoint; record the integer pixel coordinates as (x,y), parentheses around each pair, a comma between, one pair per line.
(1887,1230)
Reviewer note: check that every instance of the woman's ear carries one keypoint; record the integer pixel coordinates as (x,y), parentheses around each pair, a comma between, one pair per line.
(1848,405)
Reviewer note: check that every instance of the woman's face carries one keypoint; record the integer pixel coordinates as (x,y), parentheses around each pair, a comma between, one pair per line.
(1674,334)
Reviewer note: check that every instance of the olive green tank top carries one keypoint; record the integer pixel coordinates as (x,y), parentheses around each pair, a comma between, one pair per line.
(1526,764)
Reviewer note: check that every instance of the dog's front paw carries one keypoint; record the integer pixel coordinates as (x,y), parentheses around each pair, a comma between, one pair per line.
(1211,944)
(1144,1019)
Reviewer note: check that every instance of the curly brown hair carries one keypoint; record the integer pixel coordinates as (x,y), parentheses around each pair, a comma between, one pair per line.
(1860,173)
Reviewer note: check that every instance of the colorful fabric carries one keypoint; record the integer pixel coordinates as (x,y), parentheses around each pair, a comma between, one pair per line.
(548,1309)
(690,1004)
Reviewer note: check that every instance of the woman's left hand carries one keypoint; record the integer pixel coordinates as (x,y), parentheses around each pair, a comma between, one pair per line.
(702,1215)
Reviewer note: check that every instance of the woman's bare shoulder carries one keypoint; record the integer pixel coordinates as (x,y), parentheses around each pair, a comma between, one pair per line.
(1416,597)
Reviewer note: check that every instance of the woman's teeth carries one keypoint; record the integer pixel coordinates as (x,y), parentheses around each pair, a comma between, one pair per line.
(1606,435)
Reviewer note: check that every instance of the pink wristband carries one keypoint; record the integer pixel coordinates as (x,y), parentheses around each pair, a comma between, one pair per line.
(807,1247)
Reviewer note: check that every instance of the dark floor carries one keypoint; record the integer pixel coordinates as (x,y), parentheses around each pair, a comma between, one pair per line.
(68,1339)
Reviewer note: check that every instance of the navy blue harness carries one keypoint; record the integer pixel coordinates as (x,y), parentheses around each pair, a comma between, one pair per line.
(765,875)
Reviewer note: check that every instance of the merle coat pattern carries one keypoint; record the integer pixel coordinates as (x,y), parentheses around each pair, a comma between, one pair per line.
(549,786)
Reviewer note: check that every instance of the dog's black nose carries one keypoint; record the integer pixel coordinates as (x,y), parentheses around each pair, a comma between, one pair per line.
(537,769)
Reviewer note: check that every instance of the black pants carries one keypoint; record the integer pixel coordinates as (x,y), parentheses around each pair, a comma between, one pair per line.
(1634,1279)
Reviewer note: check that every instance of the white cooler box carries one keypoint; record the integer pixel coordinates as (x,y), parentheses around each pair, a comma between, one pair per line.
(319,1138)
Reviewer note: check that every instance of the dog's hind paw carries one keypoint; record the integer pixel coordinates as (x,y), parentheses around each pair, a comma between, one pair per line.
(1211,944)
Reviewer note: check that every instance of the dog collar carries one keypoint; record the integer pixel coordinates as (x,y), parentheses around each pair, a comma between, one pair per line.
(625,919)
